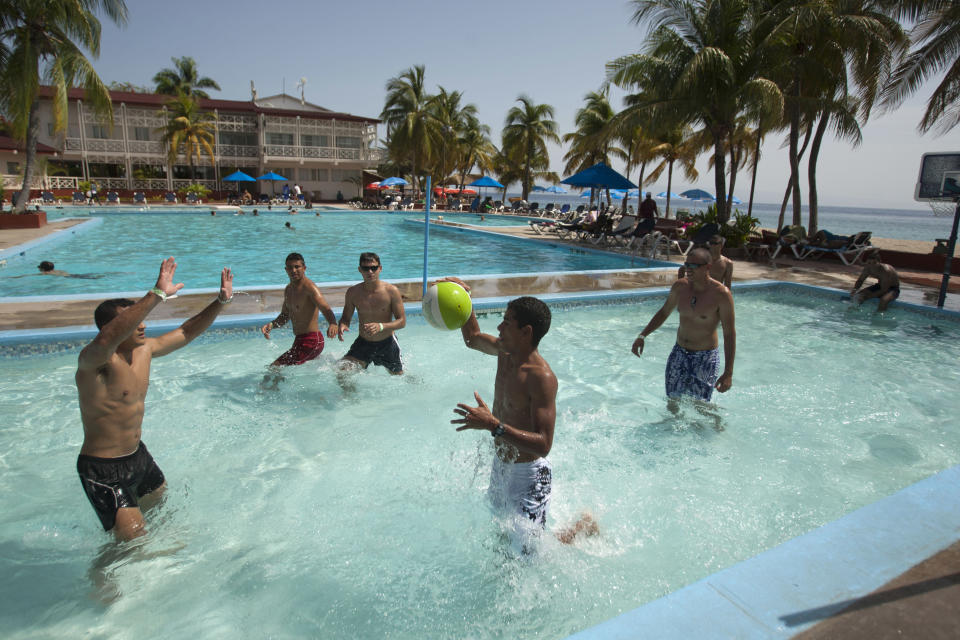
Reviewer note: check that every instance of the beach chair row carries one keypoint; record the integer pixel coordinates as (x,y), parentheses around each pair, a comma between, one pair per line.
(849,249)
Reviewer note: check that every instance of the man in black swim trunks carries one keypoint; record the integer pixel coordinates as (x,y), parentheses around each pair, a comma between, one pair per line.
(887,287)
(113,372)
(380,309)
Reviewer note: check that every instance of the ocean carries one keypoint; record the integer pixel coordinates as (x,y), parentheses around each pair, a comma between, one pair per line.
(903,224)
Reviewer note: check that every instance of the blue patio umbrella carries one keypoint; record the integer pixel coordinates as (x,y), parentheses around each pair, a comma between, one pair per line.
(599,176)
(485,181)
(664,194)
(555,188)
(538,188)
(273,178)
(389,182)
(736,200)
(238,177)
(698,194)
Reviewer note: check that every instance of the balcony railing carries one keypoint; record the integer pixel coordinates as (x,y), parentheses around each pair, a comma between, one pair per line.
(237,151)
(149,183)
(146,146)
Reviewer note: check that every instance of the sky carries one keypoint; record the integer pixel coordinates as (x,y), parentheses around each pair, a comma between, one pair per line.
(553,51)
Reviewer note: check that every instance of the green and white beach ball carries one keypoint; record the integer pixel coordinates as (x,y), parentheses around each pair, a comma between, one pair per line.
(447,306)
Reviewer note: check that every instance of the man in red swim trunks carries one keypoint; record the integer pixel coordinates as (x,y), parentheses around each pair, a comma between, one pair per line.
(302,303)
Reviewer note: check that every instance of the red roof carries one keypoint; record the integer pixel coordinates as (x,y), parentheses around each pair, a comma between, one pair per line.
(9,144)
(157,100)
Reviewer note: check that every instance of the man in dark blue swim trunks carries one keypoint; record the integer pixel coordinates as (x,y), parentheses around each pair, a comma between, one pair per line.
(703,304)
(118,474)
(887,287)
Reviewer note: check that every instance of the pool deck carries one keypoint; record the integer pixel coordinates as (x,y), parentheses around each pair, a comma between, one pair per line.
(918,603)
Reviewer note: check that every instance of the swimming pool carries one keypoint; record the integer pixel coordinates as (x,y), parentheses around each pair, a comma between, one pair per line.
(127,248)
(311,512)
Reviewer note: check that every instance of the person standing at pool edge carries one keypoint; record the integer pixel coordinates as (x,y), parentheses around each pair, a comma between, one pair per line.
(523,417)
(379,307)
(702,304)
(302,305)
(113,373)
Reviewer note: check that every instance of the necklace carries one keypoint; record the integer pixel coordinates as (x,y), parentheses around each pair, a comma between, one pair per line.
(693,302)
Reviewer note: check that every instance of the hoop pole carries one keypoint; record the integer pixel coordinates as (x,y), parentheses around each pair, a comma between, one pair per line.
(948,259)
(426,236)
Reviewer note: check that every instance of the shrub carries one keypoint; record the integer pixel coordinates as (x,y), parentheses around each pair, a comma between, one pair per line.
(200,190)
(735,231)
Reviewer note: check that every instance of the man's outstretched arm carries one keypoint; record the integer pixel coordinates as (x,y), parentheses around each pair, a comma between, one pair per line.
(185,333)
(125,323)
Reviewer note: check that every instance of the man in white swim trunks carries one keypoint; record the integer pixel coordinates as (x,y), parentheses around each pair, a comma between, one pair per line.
(522,419)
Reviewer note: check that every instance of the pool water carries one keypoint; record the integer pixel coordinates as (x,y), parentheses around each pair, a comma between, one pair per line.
(315,512)
(126,250)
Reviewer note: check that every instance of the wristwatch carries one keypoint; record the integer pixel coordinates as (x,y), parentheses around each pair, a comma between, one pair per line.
(499,431)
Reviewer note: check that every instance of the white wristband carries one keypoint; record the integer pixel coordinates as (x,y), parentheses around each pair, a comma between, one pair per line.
(157,291)
(227,301)
(381,327)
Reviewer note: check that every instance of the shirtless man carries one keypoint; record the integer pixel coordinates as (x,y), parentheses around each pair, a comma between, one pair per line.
(721,267)
(380,311)
(703,303)
(117,472)
(522,419)
(302,305)
(887,287)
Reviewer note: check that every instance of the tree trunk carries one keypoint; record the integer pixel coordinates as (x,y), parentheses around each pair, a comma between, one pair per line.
(669,185)
(719,174)
(795,161)
(753,177)
(30,157)
(812,171)
(643,167)
(734,164)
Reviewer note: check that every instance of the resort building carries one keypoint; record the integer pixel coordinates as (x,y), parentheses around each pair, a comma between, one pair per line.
(322,150)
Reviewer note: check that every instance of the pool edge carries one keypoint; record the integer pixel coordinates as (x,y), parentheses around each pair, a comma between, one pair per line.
(793,586)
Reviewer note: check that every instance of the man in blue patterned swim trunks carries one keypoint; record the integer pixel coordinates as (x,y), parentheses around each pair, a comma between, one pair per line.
(702,303)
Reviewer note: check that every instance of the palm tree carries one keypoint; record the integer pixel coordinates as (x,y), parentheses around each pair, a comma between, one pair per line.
(188,129)
(412,131)
(937,41)
(38,45)
(453,121)
(474,149)
(823,53)
(703,63)
(183,79)
(594,139)
(527,129)
(677,144)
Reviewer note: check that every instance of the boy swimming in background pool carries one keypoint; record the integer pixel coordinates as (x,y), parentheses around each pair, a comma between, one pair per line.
(302,305)
(380,311)
(522,420)
(887,286)
(702,304)
(118,474)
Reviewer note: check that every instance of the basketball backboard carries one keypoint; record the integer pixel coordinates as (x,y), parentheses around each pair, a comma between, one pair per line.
(939,177)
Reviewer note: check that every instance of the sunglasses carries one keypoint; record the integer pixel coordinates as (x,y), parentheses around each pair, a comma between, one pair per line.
(370,267)
(694,265)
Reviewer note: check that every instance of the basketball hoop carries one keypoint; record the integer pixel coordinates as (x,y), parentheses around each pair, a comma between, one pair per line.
(943,209)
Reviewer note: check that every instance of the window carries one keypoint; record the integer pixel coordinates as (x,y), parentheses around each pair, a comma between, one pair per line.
(349,142)
(313,175)
(98,131)
(280,138)
(339,175)
(308,140)
(141,133)
(239,138)
(50,131)
(13,168)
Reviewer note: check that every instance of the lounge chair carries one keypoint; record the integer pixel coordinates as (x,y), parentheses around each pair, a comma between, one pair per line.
(113,197)
(139,197)
(533,209)
(47,198)
(519,206)
(642,236)
(623,229)
(594,232)
(549,210)
(849,253)
(794,238)
(79,198)
(170,197)
(263,198)
(192,198)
